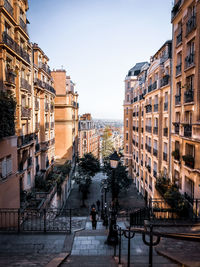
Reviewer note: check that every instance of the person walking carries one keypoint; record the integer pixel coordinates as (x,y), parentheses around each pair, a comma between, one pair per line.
(98,205)
(93,217)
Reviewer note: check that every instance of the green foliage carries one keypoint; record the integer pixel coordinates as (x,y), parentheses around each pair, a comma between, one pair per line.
(173,197)
(107,144)
(7,111)
(88,165)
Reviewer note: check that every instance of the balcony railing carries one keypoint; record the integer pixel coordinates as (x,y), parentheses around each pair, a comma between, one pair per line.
(165,106)
(148,108)
(191,24)
(188,130)
(46,125)
(176,8)
(25,112)
(155,152)
(177,99)
(45,67)
(10,77)
(189,161)
(14,46)
(155,130)
(164,81)
(8,7)
(148,129)
(25,85)
(24,140)
(189,96)
(178,69)
(165,131)
(155,107)
(23,25)
(189,60)
(179,38)
(164,156)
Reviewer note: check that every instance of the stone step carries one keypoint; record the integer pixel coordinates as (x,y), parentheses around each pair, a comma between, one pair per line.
(88,261)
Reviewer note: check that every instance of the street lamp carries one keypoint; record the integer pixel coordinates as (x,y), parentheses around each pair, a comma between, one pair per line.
(112,235)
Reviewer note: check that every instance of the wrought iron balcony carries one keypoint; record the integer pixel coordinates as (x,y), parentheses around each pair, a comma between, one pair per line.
(148,129)
(8,7)
(148,108)
(191,24)
(188,130)
(38,83)
(189,161)
(165,106)
(189,96)
(179,38)
(165,131)
(10,78)
(25,112)
(176,8)
(155,130)
(24,140)
(189,60)
(164,156)
(23,25)
(155,107)
(177,99)
(14,46)
(178,69)
(25,85)
(155,152)
(165,80)
(45,67)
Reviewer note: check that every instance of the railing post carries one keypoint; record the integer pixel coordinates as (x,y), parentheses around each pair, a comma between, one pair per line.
(18,220)
(129,236)
(45,221)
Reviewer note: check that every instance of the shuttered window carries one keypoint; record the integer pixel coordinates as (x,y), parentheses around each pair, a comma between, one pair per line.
(5,167)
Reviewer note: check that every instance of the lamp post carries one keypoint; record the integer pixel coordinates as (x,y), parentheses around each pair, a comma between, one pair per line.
(112,235)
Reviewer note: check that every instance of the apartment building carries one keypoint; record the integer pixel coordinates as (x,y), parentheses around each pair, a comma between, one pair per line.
(149,126)
(15,80)
(185,97)
(66,121)
(88,136)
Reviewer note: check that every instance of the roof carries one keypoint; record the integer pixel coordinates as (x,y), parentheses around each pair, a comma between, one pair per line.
(136,69)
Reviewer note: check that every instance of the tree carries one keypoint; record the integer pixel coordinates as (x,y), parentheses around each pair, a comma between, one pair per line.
(88,166)
(107,143)
(121,181)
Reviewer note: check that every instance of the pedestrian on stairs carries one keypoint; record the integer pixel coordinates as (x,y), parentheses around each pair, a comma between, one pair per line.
(93,217)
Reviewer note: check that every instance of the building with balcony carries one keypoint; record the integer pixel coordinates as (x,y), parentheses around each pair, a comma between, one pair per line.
(147,130)
(185,97)
(66,121)
(88,138)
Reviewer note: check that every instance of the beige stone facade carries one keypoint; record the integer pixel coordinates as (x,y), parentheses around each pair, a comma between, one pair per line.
(185,97)
(88,136)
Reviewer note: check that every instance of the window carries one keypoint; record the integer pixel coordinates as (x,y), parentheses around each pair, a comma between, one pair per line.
(127,98)
(126,123)
(179,58)
(156,99)
(178,88)
(7,28)
(126,111)
(84,134)
(188,117)
(190,82)
(126,149)
(126,136)
(5,167)
(190,150)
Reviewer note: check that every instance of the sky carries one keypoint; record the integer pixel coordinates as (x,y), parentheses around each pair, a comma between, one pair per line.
(97,42)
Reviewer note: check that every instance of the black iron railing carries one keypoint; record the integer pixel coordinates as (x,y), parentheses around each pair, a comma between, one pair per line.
(24,140)
(191,24)
(189,96)
(179,38)
(188,130)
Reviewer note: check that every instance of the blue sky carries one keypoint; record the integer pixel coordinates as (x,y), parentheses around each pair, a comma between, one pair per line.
(97,42)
